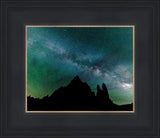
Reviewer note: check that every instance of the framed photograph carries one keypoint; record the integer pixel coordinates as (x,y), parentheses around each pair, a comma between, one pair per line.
(80,69)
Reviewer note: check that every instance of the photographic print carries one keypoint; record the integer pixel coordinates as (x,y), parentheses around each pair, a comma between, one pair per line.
(85,68)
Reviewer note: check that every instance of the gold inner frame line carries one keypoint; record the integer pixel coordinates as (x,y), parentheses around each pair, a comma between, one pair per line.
(133,26)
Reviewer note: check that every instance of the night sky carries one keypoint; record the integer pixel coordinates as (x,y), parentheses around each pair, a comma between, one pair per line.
(55,55)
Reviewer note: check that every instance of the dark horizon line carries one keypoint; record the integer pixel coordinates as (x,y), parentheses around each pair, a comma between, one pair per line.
(76,77)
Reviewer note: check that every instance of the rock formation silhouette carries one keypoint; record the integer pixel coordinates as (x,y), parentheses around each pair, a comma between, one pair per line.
(76,96)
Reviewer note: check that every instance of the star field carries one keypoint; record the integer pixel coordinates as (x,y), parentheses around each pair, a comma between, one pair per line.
(55,55)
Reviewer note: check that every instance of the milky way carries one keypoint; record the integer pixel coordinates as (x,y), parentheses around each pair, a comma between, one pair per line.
(55,55)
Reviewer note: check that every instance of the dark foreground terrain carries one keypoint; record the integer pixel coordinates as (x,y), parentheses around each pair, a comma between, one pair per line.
(77,96)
